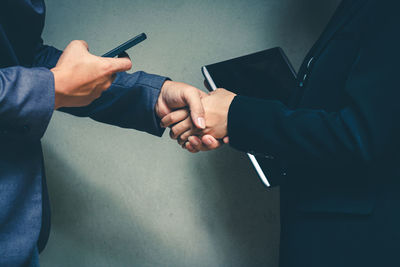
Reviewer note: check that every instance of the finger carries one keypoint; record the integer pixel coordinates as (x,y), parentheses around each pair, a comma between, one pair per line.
(191,132)
(210,142)
(199,145)
(182,141)
(190,148)
(117,64)
(193,98)
(226,140)
(174,117)
(181,127)
(196,143)
(125,55)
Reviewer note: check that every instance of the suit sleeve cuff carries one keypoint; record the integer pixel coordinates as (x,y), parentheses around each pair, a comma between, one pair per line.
(31,104)
(151,85)
(155,82)
(43,99)
(244,123)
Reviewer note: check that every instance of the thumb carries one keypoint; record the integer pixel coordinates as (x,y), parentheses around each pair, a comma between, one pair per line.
(119,64)
(193,100)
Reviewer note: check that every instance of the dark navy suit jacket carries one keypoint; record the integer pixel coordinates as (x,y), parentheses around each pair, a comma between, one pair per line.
(337,143)
(26,106)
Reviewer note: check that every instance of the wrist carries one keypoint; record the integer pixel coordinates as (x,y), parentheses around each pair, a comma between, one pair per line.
(157,107)
(161,108)
(59,99)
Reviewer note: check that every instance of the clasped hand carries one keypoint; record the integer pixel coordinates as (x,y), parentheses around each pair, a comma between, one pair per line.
(212,109)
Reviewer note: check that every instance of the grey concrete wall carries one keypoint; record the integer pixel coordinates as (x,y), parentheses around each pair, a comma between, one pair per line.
(125,198)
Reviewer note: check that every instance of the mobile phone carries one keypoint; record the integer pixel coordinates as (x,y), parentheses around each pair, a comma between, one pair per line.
(125,46)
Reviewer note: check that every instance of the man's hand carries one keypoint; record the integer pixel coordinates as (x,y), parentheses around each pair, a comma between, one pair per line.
(174,96)
(216,106)
(81,77)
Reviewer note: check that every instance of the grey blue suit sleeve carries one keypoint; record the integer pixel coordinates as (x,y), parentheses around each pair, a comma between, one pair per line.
(128,103)
(26,102)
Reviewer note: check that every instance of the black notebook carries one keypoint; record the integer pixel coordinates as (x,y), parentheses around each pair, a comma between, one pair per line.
(267,74)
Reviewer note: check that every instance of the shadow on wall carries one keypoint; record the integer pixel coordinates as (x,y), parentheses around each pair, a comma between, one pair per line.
(248,212)
(310,15)
(300,24)
(239,213)
(117,239)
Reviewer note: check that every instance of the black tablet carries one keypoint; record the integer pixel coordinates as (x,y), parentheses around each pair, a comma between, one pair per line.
(267,74)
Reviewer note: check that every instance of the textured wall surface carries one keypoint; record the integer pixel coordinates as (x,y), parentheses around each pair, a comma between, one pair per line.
(125,198)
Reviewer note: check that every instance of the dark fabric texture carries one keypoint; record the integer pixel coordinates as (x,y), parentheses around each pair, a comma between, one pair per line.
(338,140)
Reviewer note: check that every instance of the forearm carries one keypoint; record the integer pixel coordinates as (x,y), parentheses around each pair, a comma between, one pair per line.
(46,56)
(128,103)
(299,137)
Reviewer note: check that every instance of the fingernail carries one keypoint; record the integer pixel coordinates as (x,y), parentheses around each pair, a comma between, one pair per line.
(208,141)
(201,122)
(193,141)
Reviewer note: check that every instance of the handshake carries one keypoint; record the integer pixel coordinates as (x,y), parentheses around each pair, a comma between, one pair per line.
(198,121)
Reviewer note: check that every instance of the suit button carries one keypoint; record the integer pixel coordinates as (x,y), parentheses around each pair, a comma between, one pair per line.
(283,173)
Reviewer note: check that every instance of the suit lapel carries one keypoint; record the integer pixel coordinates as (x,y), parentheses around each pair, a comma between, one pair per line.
(344,13)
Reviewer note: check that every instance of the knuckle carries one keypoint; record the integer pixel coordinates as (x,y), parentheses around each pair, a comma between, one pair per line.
(84,43)
(79,43)
(74,42)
